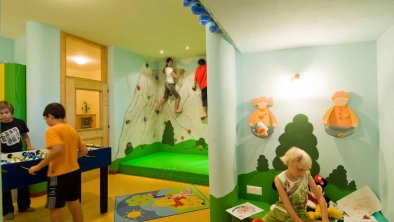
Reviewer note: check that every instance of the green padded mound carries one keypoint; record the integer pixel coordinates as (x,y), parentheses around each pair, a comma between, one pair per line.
(189,168)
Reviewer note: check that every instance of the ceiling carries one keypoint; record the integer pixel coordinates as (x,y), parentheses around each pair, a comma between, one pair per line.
(147,26)
(263,25)
(142,26)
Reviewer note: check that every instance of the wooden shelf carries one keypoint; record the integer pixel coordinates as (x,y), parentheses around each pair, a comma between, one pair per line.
(85,121)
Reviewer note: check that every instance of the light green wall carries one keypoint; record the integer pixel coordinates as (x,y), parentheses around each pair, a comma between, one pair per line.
(20,50)
(43,76)
(6,50)
(124,70)
(13,51)
(385,55)
(350,67)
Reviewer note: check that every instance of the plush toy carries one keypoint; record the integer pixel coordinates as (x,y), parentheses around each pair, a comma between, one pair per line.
(262,121)
(314,212)
(340,120)
(332,212)
(321,183)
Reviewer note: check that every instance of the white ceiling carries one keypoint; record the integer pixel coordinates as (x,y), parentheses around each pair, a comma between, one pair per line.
(147,26)
(262,25)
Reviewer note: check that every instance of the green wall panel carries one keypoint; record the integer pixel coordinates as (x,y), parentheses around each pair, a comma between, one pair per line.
(15,88)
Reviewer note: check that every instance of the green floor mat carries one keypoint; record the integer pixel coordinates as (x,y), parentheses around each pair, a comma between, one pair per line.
(172,166)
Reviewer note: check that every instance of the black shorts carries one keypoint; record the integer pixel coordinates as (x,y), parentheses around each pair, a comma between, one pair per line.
(204,96)
(170,89)
(63,188)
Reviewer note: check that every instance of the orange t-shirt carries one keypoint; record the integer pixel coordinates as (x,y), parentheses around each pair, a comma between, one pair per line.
(66,136)
(201,76)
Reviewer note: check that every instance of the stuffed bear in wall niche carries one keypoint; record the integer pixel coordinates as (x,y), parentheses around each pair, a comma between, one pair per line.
(340,120)
(262,121)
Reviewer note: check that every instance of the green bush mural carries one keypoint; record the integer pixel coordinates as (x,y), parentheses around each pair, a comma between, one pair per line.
(298,133)
(338,177)
(129,149)
(262,164)
(168,134)
(201,144)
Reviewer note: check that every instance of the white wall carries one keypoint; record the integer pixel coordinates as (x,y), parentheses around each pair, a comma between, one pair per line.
(42,76)
(124,70)
(350,67)
(385,55)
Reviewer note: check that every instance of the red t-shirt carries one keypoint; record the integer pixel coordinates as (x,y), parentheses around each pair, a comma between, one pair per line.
(201,76)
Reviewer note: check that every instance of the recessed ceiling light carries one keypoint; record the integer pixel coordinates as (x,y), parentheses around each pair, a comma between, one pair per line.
(187,47)
(80,60)
(161,51)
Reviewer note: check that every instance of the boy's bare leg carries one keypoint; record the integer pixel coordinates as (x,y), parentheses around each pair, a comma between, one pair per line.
(76,210)
(159,105)
(177,110)
(57,214)
(204,112)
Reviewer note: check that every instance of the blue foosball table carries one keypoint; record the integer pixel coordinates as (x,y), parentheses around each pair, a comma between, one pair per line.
(14,169)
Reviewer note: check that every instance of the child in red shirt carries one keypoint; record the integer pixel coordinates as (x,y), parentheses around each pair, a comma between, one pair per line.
(200,77)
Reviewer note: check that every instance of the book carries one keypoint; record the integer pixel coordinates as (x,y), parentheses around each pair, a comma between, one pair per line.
(244,210)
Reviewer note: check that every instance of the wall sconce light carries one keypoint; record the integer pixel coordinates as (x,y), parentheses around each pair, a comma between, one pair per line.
(296,78)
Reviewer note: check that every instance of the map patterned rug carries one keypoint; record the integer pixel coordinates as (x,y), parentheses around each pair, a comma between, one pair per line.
(159,203)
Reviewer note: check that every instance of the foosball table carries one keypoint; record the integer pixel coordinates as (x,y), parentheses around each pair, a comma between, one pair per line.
(15,173)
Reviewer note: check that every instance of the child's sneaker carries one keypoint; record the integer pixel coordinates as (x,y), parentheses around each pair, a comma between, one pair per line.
(9,216)
(29,209)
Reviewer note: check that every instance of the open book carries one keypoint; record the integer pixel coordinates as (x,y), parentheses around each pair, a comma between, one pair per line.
(244,210)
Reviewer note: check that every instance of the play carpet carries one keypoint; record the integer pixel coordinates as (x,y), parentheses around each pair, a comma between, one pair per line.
(159,203)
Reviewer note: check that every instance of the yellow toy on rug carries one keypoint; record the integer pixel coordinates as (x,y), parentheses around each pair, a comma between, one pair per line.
(332,212)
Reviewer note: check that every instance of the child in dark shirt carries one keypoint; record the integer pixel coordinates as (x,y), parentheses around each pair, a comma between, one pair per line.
(11,134)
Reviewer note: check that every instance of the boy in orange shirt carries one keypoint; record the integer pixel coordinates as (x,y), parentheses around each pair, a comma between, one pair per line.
(64,146)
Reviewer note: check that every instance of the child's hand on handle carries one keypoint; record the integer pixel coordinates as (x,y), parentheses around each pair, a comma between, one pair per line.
(34,169)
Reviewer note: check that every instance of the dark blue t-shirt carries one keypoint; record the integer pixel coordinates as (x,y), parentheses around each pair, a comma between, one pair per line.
(11,135)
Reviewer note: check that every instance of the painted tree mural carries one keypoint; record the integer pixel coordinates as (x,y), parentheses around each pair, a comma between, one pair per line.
(338,177)
(298,133)
(262,164)
(201,143)
(129,148)
(168,134)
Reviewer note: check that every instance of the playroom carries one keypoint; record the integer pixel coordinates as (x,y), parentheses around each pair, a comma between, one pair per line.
(309,74)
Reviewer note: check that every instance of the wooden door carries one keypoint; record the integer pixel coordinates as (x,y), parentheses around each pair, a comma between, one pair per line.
(90,118)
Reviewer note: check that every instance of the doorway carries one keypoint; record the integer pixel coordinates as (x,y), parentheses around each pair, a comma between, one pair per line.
(84,90)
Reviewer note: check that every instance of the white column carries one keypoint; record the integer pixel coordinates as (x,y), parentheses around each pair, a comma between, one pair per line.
(221,63)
